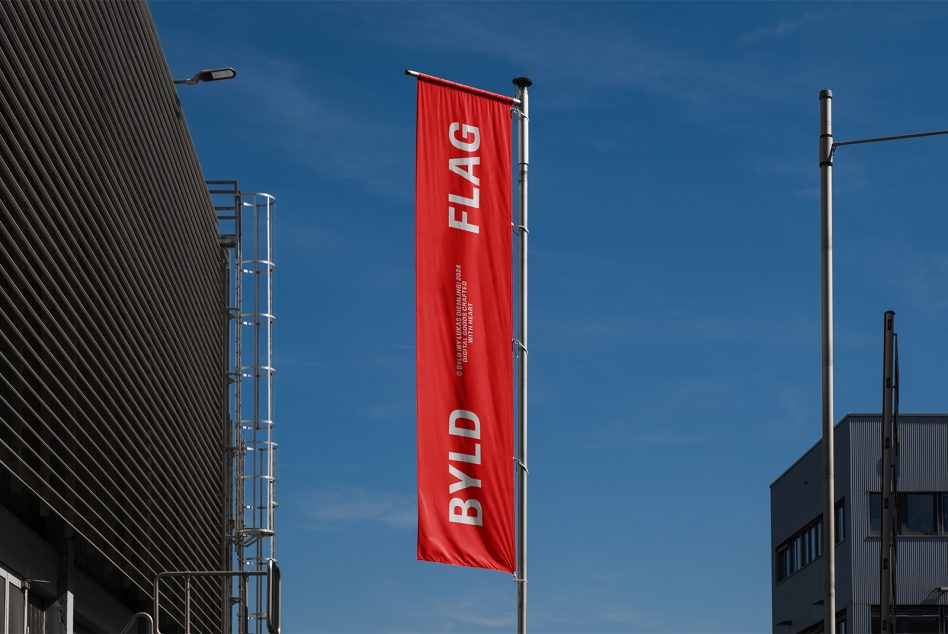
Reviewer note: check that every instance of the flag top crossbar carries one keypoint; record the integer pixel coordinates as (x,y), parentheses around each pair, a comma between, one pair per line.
(452,84)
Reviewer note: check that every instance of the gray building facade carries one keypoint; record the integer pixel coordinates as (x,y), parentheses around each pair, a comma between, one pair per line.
(113,337)
(922,541)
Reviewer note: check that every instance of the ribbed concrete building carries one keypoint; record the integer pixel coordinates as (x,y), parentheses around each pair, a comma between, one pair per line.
(113,335)
(922,541)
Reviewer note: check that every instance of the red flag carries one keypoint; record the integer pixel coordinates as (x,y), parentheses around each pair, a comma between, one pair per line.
(464,327)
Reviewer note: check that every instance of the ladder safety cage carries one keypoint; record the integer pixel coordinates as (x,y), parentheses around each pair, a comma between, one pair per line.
(245,220)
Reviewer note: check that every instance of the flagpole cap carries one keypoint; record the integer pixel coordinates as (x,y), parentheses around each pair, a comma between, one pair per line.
(826,93)
(522,82)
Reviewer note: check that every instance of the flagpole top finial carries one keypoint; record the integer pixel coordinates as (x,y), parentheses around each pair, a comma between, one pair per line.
(522,82)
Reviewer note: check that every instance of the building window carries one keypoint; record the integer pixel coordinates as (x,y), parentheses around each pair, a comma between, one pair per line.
(806,545)
(875,513)
(783,563)
(944,513)
(12,603)
(911,619)
(840,521)
(3,603)
(917,511)
(811,544)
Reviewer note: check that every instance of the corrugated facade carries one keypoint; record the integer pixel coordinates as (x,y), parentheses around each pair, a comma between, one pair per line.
(796,499)
(922,560)
(112,338)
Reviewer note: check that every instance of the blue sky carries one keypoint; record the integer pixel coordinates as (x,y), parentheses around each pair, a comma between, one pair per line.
(675,360)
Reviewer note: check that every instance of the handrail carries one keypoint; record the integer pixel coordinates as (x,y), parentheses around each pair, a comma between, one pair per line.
(135,618)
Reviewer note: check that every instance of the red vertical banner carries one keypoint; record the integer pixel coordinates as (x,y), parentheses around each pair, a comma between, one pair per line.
(464,327)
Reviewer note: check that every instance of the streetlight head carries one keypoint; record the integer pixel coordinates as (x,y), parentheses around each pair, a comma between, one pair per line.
(210,74)
(216,74)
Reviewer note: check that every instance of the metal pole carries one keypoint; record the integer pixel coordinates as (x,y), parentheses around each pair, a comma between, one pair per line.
(156,606)
(187,605)
(523,160)
(887,498)
(829,493)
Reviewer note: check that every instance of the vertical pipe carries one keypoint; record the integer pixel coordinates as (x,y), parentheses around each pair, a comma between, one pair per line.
(523,161)
(227,554)
(826,251)
(271,457)
(155,606)
(257,469)
(887,497)
(240,498)
(187,605)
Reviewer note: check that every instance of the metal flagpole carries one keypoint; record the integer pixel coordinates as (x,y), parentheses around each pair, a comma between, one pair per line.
(523,161)
(829,494)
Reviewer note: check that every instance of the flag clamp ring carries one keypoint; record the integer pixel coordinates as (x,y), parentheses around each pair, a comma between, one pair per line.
(520,464)
(517,111)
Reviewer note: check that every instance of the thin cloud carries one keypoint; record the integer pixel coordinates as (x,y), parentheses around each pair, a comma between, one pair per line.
(473,616)
(622,437)
(781,28)
(302,119)
(625,616)
(341,506)
(482,611)
(624,60)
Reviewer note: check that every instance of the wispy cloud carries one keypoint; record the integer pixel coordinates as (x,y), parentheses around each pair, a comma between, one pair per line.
(624,615)
(690,325)
(782,27)
(922,275)
(622,437)
(482,610)
(403,408)
(613,57)
(339,506)
(475,615)
(295,115)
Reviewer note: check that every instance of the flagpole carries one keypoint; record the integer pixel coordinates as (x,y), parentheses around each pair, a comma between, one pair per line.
(523,162)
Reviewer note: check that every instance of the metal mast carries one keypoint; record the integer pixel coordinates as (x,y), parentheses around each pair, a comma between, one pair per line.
(888,497)
(523,161)
(826,258)
(827,150)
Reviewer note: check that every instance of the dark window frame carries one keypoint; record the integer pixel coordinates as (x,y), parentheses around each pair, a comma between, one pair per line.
(902,510)
(940,519)
(805,545)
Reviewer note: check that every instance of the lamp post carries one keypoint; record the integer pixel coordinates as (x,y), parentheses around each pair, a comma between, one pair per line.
(208,75)
(827,151)
(826,299)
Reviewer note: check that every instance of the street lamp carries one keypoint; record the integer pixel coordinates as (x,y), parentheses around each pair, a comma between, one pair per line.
(827,151)
(211,74)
